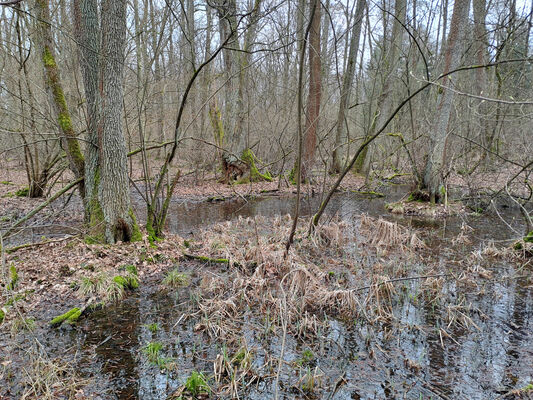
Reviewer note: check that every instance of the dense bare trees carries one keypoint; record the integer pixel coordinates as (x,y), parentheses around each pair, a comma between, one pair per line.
(364,59)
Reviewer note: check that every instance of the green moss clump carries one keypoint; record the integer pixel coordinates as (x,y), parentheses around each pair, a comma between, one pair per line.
(14,278)
(136,235)
(255,176)
(22,192)
(152,236)
(69,317)
(132,269)
(48,58)
(64,122)
(529,237)
(2,315)
(127,282)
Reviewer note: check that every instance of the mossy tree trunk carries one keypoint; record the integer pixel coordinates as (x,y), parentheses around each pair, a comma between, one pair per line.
(57,95)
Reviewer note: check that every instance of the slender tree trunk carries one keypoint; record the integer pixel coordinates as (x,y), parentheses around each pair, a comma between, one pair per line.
(433,179)
(390,64)
(339,153)
(87,28)
(444,25)
(315,92)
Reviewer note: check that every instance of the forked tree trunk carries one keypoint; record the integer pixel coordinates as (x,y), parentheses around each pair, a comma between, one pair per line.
(433,177)
(102,39)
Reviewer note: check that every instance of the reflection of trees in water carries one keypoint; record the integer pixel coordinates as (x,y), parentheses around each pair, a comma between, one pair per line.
(113,331)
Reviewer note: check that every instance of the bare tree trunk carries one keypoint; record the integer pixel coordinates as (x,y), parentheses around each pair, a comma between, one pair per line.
(339,153)
(444,25)
(315,92)
(249,39)
(87,29)
(433,179)
(481,79)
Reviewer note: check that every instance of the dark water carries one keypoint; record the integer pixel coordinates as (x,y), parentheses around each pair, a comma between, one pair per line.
(356,360)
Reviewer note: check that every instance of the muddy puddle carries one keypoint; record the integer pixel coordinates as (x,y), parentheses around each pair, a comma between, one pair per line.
(419,355)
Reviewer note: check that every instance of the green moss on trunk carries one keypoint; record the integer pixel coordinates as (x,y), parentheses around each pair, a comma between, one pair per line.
(136,235)
(69,317)
(255,176)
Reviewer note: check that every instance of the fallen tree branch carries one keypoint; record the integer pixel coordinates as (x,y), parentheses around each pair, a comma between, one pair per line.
(207,259)
(410,278)
(41,206)
(24,246)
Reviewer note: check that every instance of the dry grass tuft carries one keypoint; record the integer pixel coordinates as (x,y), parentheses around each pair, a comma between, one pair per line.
(46,378)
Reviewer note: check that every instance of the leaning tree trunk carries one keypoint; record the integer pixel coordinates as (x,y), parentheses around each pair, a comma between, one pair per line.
(57,95)
(114,192)
(315,92)
(433,179)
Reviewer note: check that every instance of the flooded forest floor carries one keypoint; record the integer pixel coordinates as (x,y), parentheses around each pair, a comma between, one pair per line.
(372,305)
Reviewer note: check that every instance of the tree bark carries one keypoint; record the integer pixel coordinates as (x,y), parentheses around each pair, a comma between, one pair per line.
(389,62)
(114,187)
(315,92)
(55,89)
(339,153)
(433,179)
(87,30)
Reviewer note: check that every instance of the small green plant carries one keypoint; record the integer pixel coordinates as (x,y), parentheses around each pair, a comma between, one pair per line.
(22,192)
(153,327)
(197,384)
(528,388)
(152,351)
(94,285)
(243,358)
(306,357)
(309,381)
(176,279)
